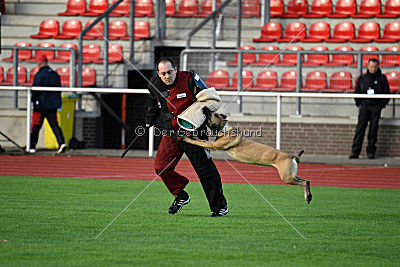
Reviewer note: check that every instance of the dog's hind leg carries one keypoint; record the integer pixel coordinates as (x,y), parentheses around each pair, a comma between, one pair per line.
(307,190)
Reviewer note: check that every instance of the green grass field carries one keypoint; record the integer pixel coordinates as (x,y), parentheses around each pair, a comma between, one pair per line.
(54,222)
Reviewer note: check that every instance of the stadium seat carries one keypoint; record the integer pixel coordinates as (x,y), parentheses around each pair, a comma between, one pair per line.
(266,79)
(142,30)
(342,32)
(95,8)
(48,53)
(340,81)
(88,77)
(294,32)
(342,60)
(144,8)
(187,8)
(1,75)
(394,81)
(315,81)
(96,32)
(64,56)
(170,8)
(64,73)
(270,32)
(247,80)
(317,59)
(276,8)
(115,52)
(295,9)
(318,32)
(368,9)
(48,29)
(367,32)
(206,8)
(391,33)
(344,9)
(74,8)
(117,29)
(248,58)
(391,60)
(319,9)
(250,8)
(21,76)
(123,9)
(70,29)
(290,59)
(90,53)
(392,9)
(23,55)
(288,81)
(366,57)
(32,74)
(218,79)
(268,59)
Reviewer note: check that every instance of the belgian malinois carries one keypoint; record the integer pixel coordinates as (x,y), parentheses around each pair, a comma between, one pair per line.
(247,151)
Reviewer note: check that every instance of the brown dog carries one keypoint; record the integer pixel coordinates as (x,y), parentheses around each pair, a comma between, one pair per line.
(247,151)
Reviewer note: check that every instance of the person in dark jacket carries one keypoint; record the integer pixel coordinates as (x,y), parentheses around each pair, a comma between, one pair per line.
(171,92)
(45,104)
(373,82)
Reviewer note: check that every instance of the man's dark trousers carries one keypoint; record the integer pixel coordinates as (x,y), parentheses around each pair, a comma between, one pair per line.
(37,122)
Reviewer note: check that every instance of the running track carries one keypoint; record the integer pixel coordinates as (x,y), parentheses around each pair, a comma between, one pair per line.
(142,169)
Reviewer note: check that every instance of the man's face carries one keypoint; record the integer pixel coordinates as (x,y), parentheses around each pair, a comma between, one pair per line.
(166,72)
(372,67)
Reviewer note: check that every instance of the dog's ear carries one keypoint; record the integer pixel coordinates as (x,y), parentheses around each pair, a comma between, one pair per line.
(207,111)
(223,116)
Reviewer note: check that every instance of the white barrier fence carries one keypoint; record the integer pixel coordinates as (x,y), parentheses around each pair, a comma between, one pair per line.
(277,95)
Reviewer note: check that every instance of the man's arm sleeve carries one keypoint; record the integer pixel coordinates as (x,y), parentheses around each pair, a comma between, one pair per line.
(358,91)
(153,110)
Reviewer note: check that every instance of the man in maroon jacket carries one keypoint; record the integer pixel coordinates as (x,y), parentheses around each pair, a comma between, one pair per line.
(171,92)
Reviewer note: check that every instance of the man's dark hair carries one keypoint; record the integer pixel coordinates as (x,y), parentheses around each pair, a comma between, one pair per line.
(165,60)
(373,60)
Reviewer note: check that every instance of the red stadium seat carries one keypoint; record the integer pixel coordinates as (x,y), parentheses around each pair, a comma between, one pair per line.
(294,32)
(90,53)
(276,8)
(142,30)
(250,8)
(64,73)
(391,60)
(1,75)
(187,8)
(206,8)
(70,29)
(315,81)
(74,8)
(344,9)
(367,32)
(48,29)
(317,59)
(248,58)
(95,8)
(366,57)
(117,29)
(96,32)
(123,9)
(391,33)
(247,80)
(270,32)
(115,52)
(342,60)
(392,9)
(343,32)
(288,81)
(144,8)
(295,9)
(218,79)
(319,9)
(317,32)
(291,59)
(48,53)
(64,56)
(22,54)
(340,81)
(88,77)
(268,59)
(21,76)
(31,76)
(394,81)
(170,8)
(368,9)
(266,79)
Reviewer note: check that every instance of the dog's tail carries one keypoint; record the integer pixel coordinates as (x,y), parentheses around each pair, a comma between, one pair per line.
(297,158)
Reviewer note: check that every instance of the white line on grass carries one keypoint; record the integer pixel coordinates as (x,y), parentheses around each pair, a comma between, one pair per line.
(266,200)
(134,199)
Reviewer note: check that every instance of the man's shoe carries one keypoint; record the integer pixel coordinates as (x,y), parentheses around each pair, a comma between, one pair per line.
(353,156)
(32,151)
(181,199)
(62,149)
(222,212)
(371,156)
